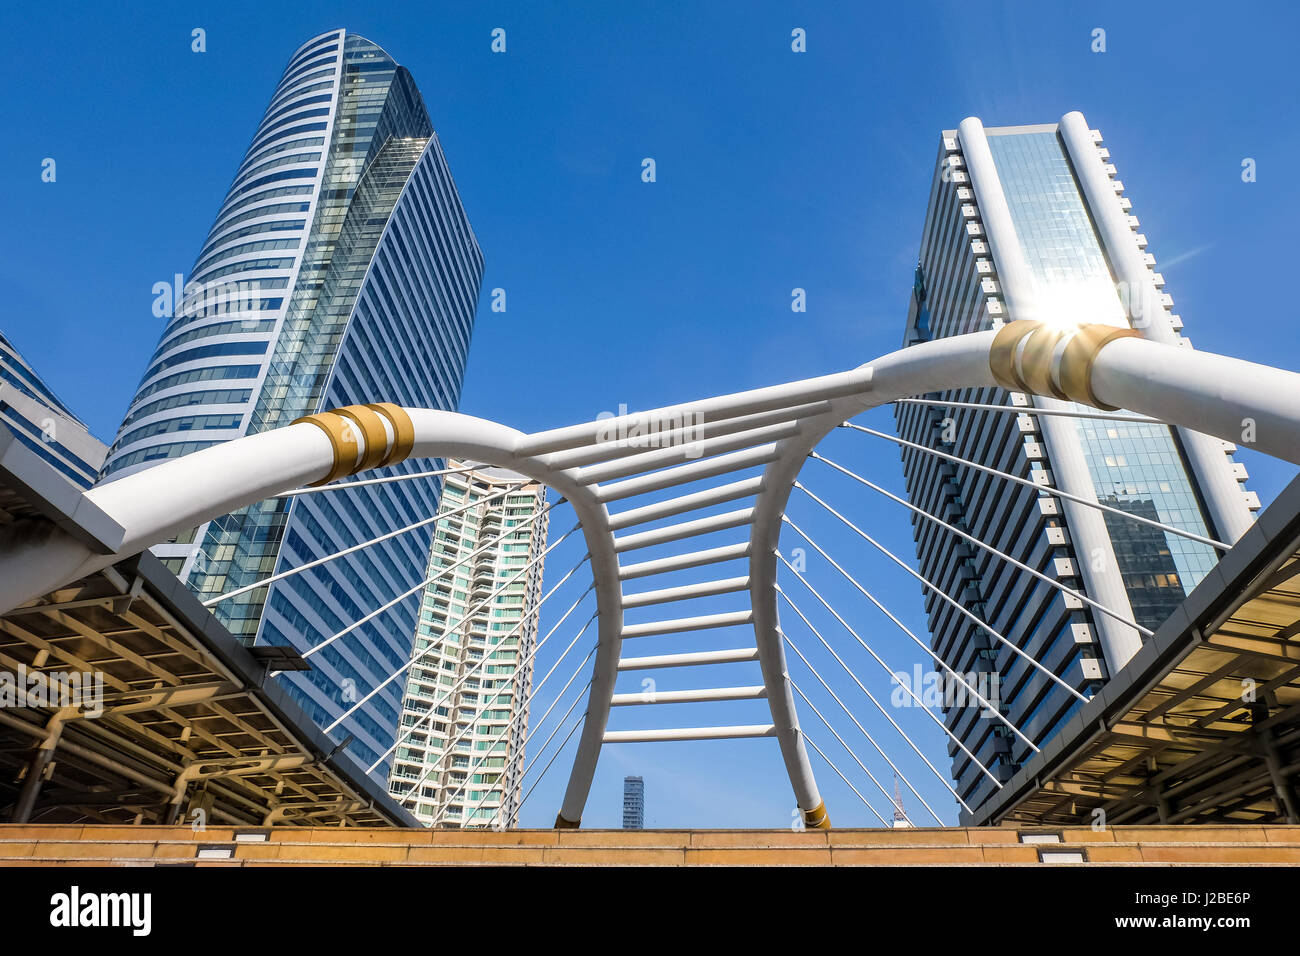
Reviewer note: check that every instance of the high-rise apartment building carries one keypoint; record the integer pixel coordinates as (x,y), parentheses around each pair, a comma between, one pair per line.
(341,269)
(460,751)
(633,803)
(1031,222)
(40,421)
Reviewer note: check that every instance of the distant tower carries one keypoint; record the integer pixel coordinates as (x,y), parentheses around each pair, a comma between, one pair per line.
(900,815)
(633,803)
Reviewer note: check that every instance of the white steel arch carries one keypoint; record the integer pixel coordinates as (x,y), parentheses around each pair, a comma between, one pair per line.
(615,460)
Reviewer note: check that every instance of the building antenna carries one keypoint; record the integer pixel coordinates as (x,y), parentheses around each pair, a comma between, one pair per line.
(900,815)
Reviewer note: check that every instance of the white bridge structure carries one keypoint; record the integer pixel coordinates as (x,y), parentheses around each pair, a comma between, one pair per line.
(610,470)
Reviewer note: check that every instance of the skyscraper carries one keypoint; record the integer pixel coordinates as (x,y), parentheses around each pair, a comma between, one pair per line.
(1031,222)
(341,269)
(633,803)
(40,421)
(460,750)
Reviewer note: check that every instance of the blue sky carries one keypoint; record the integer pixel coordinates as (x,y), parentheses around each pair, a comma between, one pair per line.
(775,170)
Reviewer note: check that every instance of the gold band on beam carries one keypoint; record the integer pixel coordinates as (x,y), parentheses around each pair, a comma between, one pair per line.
(1002,354)
(1030,369)
(1036,360)
(563,824)
(372,427)
(817,818)
(342,426)
(343,439)
(1079,357)
(403,432)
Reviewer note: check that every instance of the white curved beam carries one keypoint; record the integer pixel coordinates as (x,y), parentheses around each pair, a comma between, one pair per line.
(1210,393)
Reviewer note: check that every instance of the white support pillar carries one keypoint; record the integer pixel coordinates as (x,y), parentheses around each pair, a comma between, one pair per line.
(1091,539)
(1147,314)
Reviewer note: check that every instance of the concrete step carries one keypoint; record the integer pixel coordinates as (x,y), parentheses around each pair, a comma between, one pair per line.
(53,845)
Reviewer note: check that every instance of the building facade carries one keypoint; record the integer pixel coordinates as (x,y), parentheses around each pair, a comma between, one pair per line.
(633,803)
(43,423)
(1030,222)
(341,269)
(460,751)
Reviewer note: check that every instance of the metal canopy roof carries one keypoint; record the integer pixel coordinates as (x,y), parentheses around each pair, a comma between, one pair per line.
(183,701)
(1203,724)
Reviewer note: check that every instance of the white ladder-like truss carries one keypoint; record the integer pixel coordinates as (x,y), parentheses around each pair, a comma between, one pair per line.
(611,463)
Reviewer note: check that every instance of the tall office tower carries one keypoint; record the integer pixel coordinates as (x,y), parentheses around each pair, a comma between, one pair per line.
(40,421)
(1030,222)
(633,803)
(341,270)
(460,748)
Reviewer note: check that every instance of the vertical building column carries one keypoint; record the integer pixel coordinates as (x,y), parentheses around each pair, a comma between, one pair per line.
(1090,537)
(1223,498)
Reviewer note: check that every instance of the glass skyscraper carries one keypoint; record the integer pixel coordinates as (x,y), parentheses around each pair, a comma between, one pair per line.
(43,423)
(1031,222)
(341,269)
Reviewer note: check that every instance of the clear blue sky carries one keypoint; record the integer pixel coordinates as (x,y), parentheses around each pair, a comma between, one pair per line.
(775,170)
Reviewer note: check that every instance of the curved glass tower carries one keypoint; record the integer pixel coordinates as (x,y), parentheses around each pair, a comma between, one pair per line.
(341,269)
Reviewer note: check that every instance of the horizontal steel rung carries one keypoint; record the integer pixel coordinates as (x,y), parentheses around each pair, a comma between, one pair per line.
(680,562)
(684,529)
(734,656)
(683,624)
(757,692)
(685,503)
(689,733)
(677,454)
(682,474)
(686,592)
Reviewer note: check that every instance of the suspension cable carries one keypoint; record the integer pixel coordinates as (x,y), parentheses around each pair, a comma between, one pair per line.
(463,618)
(576,724)
(1057,492)
(856,758)
(339,485)
(533,653)
(1034,410)
(510,726)
(532,613)
(987,547)
(356,547)
(871,697)
(528,734)
(1015,648)
(440,573)
(830,764)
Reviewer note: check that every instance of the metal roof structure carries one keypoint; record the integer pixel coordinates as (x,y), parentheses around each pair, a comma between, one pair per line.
(1203,725)
(190,721)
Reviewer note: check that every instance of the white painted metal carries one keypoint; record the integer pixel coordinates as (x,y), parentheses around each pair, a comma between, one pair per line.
(736,656)
(680,562)
(757,692)
(685,592)
(683,624)
(684,529)
(675,506)
(689,733)
(856,759)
